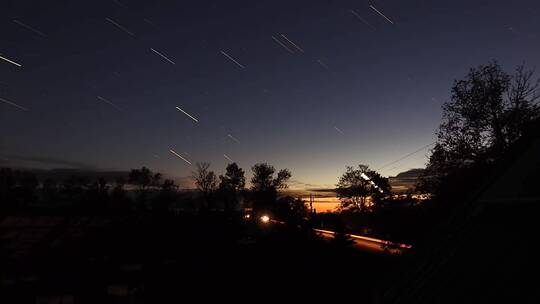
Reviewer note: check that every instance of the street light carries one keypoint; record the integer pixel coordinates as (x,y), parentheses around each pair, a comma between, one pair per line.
(265,219)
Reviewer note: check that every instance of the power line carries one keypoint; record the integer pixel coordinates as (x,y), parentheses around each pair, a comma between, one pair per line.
(403,157)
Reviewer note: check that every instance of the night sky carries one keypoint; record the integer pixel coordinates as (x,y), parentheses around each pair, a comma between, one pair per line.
(356,88)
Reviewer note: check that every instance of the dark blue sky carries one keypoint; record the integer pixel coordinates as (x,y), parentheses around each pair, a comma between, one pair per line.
(381,87)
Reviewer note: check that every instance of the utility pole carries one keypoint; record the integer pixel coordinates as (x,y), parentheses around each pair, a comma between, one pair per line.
(311,202)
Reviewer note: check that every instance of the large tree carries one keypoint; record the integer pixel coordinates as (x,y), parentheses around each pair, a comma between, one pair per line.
(205,180)
(489,109)
(233,179)
(231,184)
(358,184)
(263,178)
(264,185)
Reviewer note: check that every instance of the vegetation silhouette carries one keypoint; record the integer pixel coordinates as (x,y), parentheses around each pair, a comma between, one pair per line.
(265,186)
(356,185)
(231,186)
(143,179)
(489,110)
(206,182)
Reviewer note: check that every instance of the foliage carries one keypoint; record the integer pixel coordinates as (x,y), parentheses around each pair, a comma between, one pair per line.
(205,180)
(291,210)
(488,111)
(263,178)
(233,179)
(144,179)
(231,185)
(264,185)
(354,189)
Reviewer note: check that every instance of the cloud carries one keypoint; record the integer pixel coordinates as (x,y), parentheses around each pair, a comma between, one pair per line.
(47,162)
(296,184)
(405,180)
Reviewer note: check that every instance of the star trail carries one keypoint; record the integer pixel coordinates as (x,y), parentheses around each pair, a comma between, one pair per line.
(311,86)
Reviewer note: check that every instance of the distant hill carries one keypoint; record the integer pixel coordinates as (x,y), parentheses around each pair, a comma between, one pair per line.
(405,180)
(64,173)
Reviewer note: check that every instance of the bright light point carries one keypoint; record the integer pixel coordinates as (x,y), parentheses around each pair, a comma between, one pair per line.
(247,216)
(265,219)
(364,176)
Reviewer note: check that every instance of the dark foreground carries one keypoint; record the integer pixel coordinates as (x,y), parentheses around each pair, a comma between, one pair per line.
(164,259)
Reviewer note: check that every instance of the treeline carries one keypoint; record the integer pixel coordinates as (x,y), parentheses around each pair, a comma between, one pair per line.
(142,190)
(21,191)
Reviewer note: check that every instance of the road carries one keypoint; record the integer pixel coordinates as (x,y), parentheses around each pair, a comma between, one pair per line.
(361,242)
(368,243)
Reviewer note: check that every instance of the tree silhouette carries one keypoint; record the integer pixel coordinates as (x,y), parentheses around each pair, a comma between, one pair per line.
(263,178)
(144,179)
(356,185)
(205,180)
(231,184)
(523,96)
(264,185)
(488,111)
(383,189)
(233,179)
(292,210)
